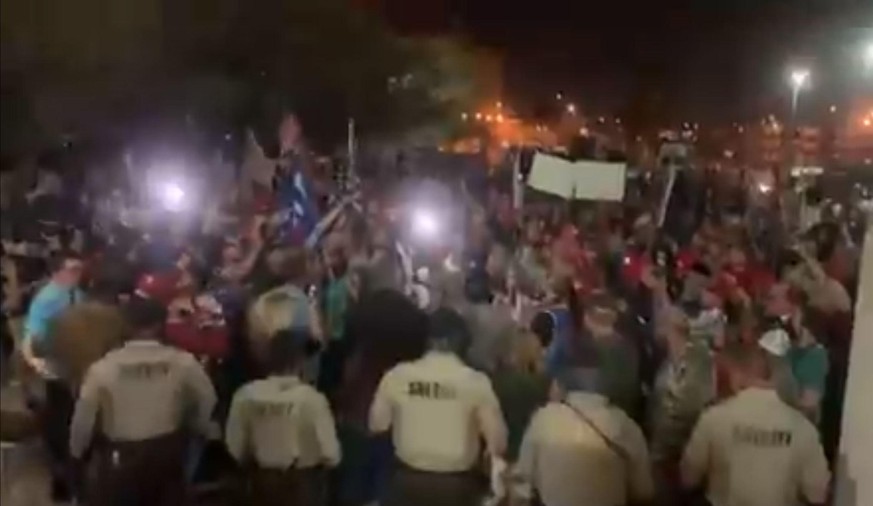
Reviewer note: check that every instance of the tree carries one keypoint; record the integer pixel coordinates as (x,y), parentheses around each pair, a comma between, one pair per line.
(136,59)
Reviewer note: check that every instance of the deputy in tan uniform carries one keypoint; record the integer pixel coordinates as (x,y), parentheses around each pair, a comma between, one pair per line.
(282,431)
(438,408)
(580,450)
(754,449)
(142,394)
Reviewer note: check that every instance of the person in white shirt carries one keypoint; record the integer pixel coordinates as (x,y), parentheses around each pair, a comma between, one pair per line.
(147,397)
(579,450)
(284,429)
(754,449)
(438,409)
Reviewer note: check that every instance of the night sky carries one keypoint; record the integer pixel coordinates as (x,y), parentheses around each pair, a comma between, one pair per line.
(709,60)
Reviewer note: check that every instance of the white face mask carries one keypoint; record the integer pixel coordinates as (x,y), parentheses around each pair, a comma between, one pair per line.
(711,314)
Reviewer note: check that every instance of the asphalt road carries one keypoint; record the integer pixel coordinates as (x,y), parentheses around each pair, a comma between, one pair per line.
(25,475)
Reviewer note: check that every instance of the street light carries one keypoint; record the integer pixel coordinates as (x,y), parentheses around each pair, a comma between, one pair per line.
(559,96)
(799,80)
(571,108)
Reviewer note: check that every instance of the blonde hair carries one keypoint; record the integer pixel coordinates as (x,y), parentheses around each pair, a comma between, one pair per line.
(525,353)
(273,311)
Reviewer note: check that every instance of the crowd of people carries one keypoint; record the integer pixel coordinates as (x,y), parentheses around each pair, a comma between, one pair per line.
(546,355)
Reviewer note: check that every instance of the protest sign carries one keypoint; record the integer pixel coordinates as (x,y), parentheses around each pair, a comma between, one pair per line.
(583,179)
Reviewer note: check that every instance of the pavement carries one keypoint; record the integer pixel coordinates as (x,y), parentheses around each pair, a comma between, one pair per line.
(24,472)
(23,466)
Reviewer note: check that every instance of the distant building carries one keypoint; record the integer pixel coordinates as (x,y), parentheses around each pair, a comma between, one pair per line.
(773,143)
(853,141)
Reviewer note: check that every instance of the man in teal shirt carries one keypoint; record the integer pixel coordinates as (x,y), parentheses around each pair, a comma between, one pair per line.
(335,301)
(800,365)
(53,298)
(809,365)
(57,295)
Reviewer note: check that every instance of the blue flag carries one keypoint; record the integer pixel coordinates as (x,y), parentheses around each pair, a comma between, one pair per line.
(296,203)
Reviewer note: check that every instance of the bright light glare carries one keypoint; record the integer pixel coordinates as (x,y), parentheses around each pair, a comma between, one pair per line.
(425,224)
(868,54)
(173,196)
(571,108)
(799,78)
(764,188)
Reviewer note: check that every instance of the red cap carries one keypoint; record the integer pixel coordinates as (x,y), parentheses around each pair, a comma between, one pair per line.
(161,287)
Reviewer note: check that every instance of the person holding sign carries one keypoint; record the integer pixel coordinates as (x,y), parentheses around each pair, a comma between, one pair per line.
(438,408)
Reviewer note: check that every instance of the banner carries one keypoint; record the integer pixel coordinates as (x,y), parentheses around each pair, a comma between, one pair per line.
(584,179)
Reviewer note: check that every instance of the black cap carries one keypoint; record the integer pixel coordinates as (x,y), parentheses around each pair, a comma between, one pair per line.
(145,313)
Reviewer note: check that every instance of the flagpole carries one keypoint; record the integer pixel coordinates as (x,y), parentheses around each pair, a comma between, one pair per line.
(351,149)
(668,192)
(518,184)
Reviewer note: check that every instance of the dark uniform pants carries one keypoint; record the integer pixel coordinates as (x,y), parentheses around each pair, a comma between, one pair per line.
(56,415)
(408,487)
(139,473)
(290,487)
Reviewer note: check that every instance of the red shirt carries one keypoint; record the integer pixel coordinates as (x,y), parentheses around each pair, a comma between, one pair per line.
(685,260)
(202,331)
(634,265)
(752,279)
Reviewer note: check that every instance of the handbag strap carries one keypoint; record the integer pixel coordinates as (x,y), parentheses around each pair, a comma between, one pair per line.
(612,445)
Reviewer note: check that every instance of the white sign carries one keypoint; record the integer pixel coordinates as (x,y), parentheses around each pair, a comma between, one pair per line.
(853,482)
(806,171)
(584,179)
